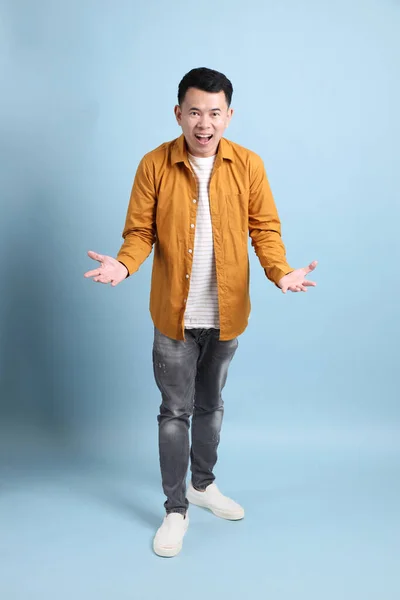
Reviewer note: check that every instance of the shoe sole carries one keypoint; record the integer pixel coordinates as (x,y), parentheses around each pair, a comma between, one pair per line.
(218,513)
(167,552)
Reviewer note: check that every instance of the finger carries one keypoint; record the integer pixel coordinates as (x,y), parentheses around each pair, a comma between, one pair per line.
(96,256)
(311,266)
(93,273)
(309,283)
(102,280)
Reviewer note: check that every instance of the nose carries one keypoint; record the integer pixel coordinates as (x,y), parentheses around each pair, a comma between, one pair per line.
(203,121)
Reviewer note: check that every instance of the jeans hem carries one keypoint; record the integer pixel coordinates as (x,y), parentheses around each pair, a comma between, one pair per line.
(181,511)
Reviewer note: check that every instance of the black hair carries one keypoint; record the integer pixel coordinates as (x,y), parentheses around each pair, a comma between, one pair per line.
(207,80)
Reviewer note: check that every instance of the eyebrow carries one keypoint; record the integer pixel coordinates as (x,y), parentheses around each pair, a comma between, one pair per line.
(211,109)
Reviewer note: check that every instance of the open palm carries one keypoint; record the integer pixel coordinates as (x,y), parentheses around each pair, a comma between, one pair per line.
(109,271)
(296,280)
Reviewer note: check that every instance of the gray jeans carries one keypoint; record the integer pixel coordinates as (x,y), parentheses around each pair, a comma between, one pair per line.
(190,376)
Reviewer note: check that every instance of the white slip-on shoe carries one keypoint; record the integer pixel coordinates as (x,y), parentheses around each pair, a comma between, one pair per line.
(220,505)
(169,537)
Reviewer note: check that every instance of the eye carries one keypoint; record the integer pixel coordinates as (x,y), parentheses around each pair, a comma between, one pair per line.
(193,113)
(215,114)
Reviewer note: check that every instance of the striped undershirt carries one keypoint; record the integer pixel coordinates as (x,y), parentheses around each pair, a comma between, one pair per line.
(202,302)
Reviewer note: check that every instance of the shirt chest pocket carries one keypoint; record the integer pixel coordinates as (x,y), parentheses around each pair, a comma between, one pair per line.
(237,207)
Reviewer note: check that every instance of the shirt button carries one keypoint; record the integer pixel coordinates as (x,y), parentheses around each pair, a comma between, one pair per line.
(192,225)
(187,276)
(184,300)
(190,250)
(195,201)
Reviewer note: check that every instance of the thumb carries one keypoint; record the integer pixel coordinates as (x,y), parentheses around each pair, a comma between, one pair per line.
(96,256)
(311,266)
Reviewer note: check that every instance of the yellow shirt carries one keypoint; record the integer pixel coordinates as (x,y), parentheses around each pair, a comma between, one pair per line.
(162,211)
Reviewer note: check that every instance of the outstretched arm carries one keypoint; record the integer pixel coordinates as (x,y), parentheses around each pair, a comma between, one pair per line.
(140,225)
(139,232)
(264,224)
(265,232)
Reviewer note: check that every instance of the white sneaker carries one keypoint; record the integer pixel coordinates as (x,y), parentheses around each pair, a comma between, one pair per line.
(220,505)
(169,537)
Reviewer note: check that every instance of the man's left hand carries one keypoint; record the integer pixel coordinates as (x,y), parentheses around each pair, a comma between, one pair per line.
(296,280)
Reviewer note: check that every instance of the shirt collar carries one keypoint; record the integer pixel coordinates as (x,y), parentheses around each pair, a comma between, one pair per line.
(179,151)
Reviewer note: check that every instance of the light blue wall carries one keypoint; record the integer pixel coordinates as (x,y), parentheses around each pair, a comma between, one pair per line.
(86,89)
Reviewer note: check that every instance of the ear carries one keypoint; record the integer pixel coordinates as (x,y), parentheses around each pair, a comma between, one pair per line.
(230,113)
(178,113)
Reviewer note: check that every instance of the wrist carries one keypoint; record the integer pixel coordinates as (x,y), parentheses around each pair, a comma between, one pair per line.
(127,271)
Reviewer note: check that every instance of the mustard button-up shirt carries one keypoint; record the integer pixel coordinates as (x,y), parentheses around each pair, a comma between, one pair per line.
(162,212)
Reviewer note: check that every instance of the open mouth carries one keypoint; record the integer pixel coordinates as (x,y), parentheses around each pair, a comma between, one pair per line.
(203,139)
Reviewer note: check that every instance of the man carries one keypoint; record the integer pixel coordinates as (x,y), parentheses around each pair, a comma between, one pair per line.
(197,199)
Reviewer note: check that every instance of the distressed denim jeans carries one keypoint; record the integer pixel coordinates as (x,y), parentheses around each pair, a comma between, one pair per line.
(190,375)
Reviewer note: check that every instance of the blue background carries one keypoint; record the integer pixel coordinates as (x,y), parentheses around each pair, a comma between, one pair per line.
(310,441)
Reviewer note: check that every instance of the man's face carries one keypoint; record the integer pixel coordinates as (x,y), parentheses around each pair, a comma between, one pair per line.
(201,115)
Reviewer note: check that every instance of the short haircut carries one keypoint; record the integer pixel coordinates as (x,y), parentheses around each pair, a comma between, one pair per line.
(207,80)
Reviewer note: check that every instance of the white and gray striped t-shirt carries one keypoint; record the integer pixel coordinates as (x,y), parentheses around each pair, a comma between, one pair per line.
(202,303)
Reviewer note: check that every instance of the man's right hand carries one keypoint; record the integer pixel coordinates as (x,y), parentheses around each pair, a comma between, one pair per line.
(110,270)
